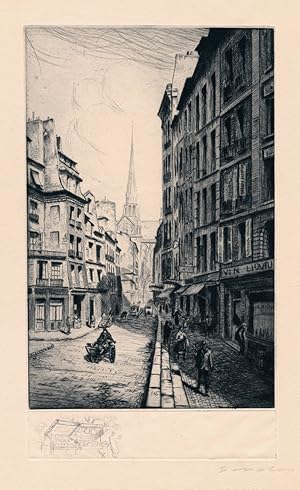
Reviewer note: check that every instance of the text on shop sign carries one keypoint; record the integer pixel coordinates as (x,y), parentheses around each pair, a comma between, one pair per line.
(242,270)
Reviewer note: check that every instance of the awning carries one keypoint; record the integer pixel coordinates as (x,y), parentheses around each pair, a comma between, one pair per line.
(193,289)
(166,293)
(181,290)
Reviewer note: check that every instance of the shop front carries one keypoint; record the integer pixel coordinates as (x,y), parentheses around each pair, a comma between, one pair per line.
(247,295)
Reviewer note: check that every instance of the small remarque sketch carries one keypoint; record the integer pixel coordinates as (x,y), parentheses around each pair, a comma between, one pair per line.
(150,206)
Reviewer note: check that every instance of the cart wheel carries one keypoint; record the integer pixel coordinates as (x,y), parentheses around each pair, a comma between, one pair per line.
(112,353)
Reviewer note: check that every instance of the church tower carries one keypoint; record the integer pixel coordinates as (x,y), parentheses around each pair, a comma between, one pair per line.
(131,208)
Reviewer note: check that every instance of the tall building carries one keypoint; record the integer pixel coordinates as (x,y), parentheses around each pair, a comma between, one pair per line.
(57,280)
(136,269)
(218,187)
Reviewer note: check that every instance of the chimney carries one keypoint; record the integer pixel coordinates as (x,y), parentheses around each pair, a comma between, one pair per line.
(58,142)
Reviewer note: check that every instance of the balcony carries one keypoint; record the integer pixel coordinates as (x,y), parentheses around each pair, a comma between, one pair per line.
(56,282)
(79,225)
(71,253)
(72,222)
(34,217)
(79,255)
(109,257)
(42,282)
(41,253)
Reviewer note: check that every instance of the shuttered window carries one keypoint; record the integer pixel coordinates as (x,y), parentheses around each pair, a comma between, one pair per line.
(220,244)
(249,237)
(242,179)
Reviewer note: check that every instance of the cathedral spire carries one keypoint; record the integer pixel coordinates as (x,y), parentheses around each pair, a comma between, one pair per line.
(131,193)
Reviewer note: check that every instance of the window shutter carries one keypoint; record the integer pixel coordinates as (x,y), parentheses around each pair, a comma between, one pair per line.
(249,237)
(242,179)
(229,252)
(220,244)
(235,184)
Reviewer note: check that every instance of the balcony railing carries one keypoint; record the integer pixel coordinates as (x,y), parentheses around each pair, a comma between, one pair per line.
(79,225)
(34,217)
(72,222)
(56,282)
(109,257)
(39,252)
(42,282)
(71,253)
(79,254)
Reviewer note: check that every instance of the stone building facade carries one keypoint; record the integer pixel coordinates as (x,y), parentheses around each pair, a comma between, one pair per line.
(219,223)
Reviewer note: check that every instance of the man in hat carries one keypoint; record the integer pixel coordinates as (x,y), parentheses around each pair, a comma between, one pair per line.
(240,337)
(204,365)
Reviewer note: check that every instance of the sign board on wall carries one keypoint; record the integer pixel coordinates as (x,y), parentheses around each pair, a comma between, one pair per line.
(245,269)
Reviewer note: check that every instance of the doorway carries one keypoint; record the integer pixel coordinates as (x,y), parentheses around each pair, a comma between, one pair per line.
(40,316)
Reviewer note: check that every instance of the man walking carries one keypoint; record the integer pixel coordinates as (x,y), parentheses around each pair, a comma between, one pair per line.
(204,365)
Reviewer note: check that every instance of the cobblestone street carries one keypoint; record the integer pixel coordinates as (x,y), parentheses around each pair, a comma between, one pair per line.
(234,382)
(63,378)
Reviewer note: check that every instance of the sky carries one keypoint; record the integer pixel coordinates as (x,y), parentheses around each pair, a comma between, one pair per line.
(96,81)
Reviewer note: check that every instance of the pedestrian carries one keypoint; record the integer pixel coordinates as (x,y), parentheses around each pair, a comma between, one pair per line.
(177,316)
(68,325)
(181,343)
(240,337)
(167,332)
(204,366)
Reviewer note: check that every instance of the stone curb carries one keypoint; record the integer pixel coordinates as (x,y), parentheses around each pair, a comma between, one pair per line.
(64,338)
(40,351)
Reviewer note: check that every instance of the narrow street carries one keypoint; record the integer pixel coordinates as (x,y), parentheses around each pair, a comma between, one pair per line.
(63,378)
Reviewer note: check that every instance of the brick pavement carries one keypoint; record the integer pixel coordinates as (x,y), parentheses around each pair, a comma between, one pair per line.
(235,383)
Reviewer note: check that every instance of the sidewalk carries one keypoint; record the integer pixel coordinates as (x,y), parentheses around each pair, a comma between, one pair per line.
(165,387)
(57,335)
(234,382)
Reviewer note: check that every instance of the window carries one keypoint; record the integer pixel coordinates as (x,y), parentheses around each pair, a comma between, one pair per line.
(213,150)
(242,240)
(191,204)
(269,179)
(212,264)
(242,179)
(204,253)
(186,159)
(204,206)
(204,102)
(79,247)
(99,275)
(198,208)
(227,125)
(56,309)
(42,270)
(227,239)
(190,116)
(213,202)
(198,253)
(180,162)
(240,123)
(268,47)
(185,120)
(72,210)
(191,248)
(204,155)
(35,179)
(227,186)
(73,277)
(80,276)
(213,95)
(228,74)
(98,253)
(90,250)
(267,240)
(197,112)
(197,160)
(71,243)
(56,270)
(78,213)
(242,55)
(54,239)
(269,116)
(92,275)
(35,242)
(33,207)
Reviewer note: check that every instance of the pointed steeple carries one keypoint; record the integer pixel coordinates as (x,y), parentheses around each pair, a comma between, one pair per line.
(131,193)
(131,208)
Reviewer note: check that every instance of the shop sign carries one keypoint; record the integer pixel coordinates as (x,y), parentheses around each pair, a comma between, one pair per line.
(245,269)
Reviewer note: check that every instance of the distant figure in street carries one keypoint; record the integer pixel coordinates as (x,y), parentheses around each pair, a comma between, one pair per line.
(205,327)
(68,326)
(167,332)
(204,365)
(240,337)
(177,316)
